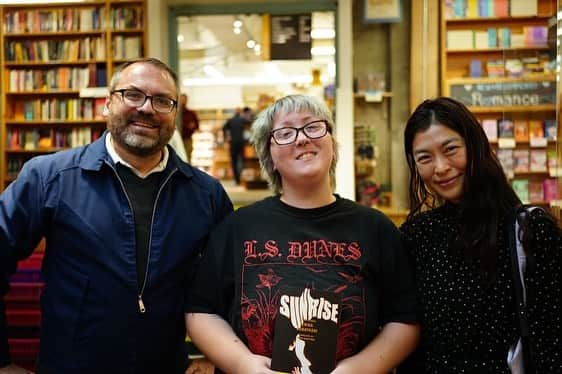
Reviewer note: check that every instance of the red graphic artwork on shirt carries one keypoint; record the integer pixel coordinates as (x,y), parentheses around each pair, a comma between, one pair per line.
(317,264)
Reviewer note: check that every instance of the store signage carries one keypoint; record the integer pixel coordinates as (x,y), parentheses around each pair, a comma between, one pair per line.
(505,93)
(290,37)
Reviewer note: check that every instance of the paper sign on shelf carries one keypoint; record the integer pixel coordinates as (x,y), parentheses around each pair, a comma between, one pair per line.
(506,143)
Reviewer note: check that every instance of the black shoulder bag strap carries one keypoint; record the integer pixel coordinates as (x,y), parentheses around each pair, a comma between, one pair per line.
(521,307)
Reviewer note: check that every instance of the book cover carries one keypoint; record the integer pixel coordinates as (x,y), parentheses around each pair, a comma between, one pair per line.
(505,156)
(551,158)
(523,8)
(521,131)
(490,127)
(521,188)
(538,160)
(521,160)
(505,128)
(536,129)
(501,8)
(492,37)
(475,68)
(550,129)
(306,331)
(550,189)
(536,192)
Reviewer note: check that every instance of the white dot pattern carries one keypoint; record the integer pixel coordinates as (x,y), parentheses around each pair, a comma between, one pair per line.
(469,324)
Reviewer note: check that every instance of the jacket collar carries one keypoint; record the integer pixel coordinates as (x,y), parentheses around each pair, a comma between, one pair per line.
(96,155)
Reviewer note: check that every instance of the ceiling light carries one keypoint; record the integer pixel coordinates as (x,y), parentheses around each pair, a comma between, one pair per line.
(236,30)
(180,38)
(323,33)
(251,43)
(257,48)
(237,24)
(211,71)
(322,51)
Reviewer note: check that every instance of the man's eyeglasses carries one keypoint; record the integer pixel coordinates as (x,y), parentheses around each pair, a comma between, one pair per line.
(287,135)
(136,98)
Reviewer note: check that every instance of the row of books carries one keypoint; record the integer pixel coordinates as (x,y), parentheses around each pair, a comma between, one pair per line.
(536,66)
(126,18)
(525,160)
(59,78)
(531,191)
(72,19)
(126,47)
(58,109)
(36,139)
(502,37)
(520,130)
(48,50)
(62,19)
(489,8)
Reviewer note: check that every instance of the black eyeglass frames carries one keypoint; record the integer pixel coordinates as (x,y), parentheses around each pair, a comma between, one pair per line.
(287,135)
(136,98)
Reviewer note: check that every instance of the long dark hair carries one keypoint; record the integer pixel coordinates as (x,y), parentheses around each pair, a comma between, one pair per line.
(487,194)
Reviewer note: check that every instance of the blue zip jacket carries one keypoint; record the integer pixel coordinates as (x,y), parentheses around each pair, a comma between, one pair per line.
(91,320)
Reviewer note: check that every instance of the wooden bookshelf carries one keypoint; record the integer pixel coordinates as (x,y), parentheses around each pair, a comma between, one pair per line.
(49,53)
(500,60)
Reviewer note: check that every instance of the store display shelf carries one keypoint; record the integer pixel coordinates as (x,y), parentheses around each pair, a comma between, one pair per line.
(498,50)
(488,80)
(503,109)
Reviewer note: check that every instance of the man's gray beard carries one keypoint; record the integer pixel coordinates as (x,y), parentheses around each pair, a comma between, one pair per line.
(139,145)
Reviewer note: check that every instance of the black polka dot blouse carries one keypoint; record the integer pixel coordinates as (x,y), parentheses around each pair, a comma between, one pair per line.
(468,323)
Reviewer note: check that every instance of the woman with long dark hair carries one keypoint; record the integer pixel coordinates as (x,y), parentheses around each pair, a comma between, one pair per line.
(457,234)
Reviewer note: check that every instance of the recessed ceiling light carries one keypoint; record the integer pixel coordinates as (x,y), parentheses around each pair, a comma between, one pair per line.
(323,33)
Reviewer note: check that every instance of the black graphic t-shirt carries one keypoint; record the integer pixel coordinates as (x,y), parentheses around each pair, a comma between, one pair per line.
(342,248)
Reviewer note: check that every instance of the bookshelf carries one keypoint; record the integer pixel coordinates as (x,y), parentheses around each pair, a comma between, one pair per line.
(50,52)
(499,58)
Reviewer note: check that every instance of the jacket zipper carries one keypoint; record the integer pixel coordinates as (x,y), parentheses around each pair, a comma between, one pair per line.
(142,308)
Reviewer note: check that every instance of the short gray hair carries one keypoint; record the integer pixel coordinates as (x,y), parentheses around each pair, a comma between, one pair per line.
(262,126)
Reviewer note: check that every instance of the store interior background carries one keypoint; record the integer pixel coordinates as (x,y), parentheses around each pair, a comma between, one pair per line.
(405,51)
(361,48)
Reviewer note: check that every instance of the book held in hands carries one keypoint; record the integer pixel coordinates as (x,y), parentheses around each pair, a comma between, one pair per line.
(306,331)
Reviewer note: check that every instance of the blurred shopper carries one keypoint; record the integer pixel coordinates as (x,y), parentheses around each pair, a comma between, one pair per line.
(234,130)
(189,124)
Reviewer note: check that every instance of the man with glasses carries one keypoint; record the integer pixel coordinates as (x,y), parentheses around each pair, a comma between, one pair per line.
(124,220)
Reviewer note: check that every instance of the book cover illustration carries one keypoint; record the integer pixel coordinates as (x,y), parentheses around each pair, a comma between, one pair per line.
(550,129)
(521,130)
(505,128)
(536,129)
(521,188)
(521,160)
(306,331)
(490,127)
(538,160)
